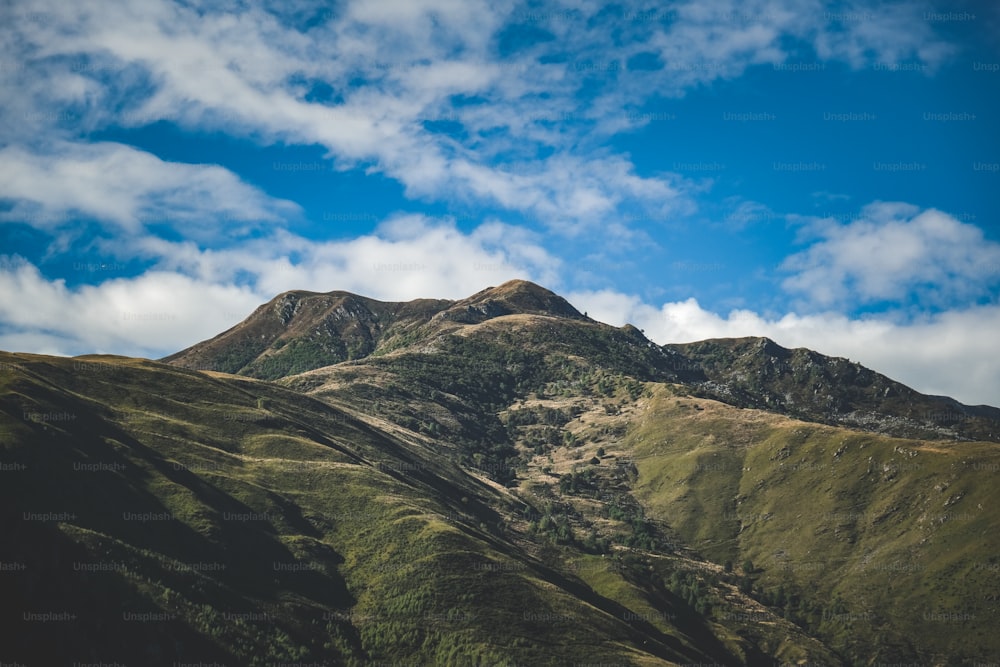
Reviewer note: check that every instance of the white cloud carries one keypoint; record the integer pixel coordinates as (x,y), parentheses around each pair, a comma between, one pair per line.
(66,69)
(887,33)
(144,316)
(894,252)
(202,76)
(392,65)
(129,188)
(951,354)
(406,257)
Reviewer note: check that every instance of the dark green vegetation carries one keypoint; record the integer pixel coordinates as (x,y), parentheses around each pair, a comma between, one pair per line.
(494,481)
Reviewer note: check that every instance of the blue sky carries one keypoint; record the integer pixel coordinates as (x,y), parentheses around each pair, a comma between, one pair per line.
(821,173)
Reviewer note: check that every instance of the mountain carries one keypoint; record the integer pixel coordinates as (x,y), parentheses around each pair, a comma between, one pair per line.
(155,515)
(494,480)
(298,331)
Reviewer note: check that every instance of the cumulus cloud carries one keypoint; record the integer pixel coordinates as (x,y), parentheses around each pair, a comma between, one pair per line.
(893,253)
(406,257)
(138,316)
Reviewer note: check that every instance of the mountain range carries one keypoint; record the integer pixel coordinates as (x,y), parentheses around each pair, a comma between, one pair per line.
(498,480)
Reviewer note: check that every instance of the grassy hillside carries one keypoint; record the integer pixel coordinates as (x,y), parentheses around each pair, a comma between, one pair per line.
(165,515)
(493,481)
(808,517)
(863,539)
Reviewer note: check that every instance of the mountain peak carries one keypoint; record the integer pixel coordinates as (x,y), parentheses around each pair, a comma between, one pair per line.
(519,291)
(300,330)
(520,285)
(514,297)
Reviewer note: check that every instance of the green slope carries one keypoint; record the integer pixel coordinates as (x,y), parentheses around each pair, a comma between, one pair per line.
(498,480)
(867,541)
(183,517)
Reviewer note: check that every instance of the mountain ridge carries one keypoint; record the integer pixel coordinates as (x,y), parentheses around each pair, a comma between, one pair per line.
(299,332)
(344,326)
(757,372)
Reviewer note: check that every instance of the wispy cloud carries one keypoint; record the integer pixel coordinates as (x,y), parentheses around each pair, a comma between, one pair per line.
(128,189)
(887,35)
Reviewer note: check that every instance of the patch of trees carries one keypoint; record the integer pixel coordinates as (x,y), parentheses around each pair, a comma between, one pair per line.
(643,534)
(541,415)
(692,589)
(577,482)
(552,525)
